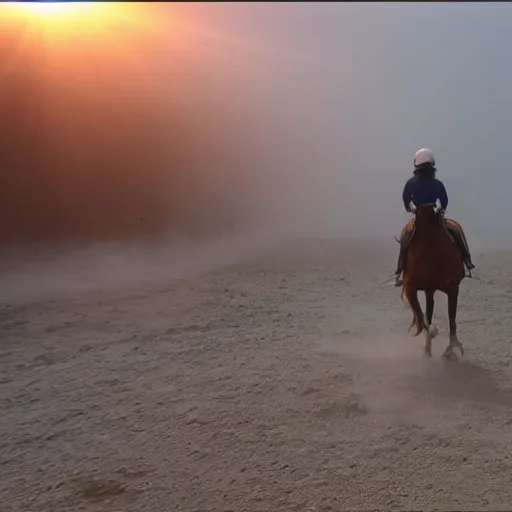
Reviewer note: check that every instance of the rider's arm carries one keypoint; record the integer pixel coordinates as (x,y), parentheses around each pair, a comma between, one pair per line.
(443,196)
(407,195)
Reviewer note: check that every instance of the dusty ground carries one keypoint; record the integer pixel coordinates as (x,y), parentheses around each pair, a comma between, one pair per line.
(286,383)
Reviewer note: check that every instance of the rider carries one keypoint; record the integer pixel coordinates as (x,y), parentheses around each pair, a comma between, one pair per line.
(423,188)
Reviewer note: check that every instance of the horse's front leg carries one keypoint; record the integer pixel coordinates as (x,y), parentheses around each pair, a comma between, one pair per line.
(453,298)
(431,329)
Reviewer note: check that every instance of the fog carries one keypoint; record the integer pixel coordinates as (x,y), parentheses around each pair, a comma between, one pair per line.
(238,118)
(377,82)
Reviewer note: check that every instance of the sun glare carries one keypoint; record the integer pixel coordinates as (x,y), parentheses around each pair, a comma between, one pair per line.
(56,19)
(44,8)
(90,42)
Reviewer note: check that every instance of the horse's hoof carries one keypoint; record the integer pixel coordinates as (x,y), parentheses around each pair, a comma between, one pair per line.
(427,354)
(457,345)
(432,332)
(450,356)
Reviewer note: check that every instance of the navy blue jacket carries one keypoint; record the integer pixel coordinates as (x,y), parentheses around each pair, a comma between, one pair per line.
(421,189)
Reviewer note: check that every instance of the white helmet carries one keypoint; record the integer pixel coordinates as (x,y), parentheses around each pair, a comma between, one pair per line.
(424,156)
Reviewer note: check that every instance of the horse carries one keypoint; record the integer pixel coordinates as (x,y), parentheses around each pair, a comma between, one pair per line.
(433,262)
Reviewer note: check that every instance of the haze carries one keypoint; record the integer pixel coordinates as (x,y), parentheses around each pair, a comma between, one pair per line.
(378,81)
(292,119)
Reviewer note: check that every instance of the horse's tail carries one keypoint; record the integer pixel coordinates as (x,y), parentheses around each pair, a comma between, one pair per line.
(418,320)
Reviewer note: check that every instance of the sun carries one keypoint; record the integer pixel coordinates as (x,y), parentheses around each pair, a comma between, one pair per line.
(89,42)
(50,12)
(70,19)
(46,8)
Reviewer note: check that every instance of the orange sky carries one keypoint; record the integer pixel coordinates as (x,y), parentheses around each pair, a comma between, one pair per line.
(92,130)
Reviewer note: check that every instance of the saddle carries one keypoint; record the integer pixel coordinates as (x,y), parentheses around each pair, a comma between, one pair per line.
(453,229)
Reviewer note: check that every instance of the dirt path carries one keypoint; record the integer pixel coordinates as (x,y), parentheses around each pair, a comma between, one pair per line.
(285,384)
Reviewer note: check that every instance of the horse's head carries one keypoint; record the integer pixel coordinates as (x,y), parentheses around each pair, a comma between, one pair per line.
(428,214)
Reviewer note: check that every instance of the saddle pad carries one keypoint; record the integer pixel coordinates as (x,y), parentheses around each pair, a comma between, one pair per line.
(407,232)
(451,225)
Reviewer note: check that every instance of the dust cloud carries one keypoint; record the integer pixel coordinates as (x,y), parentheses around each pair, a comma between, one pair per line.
(250,122)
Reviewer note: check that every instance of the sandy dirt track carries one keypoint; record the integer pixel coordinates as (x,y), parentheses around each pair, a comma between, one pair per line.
(284,383)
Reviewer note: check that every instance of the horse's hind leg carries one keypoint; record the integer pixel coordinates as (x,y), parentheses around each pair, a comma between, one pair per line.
(431,329)
(453,297)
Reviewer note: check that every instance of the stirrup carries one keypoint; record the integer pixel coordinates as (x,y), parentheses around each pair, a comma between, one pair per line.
(398,281)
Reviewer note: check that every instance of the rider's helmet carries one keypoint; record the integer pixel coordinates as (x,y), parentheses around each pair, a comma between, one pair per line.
(424,157)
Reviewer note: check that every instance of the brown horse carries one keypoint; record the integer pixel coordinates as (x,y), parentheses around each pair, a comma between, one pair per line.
(433,262)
